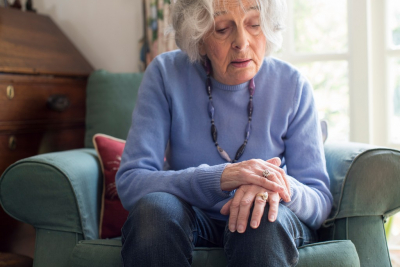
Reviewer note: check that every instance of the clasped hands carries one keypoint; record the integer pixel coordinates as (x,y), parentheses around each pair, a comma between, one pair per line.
(247,178)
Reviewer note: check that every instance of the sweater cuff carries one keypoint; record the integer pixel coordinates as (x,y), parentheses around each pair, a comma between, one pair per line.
(207,179)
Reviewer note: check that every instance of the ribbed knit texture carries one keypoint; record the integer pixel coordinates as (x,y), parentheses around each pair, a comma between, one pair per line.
(171,119)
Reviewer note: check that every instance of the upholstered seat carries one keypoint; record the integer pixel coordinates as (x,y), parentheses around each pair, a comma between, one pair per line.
(107,253)
(59,194)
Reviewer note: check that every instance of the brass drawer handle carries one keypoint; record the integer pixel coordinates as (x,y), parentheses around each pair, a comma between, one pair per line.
(12,142)
(10,92)
(58,102)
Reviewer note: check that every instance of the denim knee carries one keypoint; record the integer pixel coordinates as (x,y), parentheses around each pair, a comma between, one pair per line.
(159,229)
(271,244)
(156,214)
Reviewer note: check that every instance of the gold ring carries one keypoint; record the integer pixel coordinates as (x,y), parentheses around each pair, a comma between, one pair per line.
(264,196)
(266,173)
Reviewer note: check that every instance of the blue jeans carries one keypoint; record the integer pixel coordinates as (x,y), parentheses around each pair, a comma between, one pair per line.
(162,230)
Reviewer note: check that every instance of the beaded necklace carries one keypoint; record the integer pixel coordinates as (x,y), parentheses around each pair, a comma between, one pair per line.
(211,110)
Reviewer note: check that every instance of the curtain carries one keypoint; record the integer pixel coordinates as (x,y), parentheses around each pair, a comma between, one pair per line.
(156,21)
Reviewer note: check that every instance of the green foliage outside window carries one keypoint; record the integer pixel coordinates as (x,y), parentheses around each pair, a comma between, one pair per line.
(320,26)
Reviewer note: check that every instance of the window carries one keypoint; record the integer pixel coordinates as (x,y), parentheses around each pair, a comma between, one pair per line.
(350,52)
(316,42)
(393,30)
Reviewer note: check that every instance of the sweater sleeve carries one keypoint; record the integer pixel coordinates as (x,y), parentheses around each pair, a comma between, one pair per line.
(141,170)
(305,160)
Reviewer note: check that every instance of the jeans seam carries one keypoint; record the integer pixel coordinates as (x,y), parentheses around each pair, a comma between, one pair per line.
(226,245)
(193,234)
(208,240)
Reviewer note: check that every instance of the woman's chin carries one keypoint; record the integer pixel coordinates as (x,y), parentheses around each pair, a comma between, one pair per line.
(243,75)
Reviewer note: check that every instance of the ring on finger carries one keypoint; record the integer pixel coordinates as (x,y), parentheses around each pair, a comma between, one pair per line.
(266,173)
(264,196)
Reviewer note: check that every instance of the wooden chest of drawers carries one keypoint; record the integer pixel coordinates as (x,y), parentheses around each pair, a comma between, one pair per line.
(42,100)
(39,114)
(42,88)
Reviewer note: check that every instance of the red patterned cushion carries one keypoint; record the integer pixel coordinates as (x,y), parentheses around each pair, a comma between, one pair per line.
(113,215)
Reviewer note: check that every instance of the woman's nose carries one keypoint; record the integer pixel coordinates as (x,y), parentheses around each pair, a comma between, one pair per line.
(240,41)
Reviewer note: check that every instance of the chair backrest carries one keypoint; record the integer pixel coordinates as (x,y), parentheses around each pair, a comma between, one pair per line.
(110,99)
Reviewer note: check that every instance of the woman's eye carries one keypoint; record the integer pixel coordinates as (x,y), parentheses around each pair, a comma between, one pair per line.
(222,30)
(255,26)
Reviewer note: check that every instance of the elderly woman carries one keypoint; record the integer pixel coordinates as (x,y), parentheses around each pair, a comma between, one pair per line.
(257,185)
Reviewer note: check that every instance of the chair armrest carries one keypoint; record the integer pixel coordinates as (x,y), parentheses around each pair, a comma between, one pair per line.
(56,191)
(365,180)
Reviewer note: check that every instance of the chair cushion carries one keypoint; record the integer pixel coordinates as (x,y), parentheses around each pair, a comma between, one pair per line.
(112,215)
(106,252)
(110,99)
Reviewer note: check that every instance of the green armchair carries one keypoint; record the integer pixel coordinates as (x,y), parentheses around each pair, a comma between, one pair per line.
(59,194)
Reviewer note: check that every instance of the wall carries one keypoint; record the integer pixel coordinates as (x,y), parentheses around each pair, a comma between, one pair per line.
(106,32)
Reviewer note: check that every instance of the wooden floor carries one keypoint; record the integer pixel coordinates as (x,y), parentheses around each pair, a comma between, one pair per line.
(16,237)
(14,260)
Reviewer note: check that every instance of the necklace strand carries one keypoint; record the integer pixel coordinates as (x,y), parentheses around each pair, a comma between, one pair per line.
(211,111)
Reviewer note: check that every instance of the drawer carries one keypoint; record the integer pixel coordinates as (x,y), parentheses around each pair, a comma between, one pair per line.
(27,97)
(14,147)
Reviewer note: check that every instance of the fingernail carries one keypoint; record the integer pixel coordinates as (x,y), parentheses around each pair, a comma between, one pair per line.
(240,229)
(232,228)
(271,218)
(254,224)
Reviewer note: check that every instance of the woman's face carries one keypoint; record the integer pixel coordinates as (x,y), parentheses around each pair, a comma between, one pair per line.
(236,47)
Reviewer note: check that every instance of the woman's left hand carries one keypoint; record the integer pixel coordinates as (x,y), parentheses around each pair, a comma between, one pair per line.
(240,205)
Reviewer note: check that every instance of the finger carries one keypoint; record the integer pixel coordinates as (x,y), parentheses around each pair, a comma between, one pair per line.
(244,211)
(273,207)
(282,173)
(258,211)
(283,178)
(234,209)
(276,161)
(276,177)
(265,183)
(226,207)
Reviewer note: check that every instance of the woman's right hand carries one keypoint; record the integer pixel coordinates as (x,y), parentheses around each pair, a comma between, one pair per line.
(251,172)
(246,197)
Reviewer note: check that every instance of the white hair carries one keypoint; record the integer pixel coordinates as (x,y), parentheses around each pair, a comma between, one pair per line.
(192,19)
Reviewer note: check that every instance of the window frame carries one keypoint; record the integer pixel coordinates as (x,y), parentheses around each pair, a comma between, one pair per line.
(368,58)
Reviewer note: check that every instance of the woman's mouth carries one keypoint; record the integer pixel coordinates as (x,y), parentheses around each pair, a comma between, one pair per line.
(240,63)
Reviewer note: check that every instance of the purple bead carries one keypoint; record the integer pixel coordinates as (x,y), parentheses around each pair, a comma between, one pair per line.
(214,133)
(252,87)
(211,109)
(250,108)
(240,151)
(208,86)
(248,131)
(223,154)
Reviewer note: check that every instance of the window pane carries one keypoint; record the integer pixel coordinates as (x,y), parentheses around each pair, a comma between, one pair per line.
(331,92)
(394,23)
(320,26)
(394,120)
